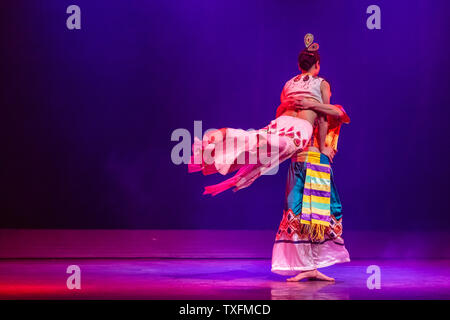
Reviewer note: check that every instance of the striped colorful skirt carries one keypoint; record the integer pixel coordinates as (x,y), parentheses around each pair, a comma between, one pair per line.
(310,232)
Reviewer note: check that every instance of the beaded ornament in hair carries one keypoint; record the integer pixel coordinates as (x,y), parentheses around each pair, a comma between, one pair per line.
(310,46)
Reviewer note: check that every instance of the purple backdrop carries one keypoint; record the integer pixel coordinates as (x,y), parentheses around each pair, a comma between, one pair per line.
(88,114)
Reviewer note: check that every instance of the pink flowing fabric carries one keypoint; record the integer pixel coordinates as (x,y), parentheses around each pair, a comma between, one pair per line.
(269,146)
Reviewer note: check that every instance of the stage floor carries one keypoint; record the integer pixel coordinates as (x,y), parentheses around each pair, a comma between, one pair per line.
(217,279)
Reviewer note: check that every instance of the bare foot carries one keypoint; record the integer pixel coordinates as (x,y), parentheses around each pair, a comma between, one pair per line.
(303,275)
(322,277)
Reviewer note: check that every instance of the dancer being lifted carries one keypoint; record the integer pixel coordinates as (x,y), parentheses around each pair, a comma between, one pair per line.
(253,153)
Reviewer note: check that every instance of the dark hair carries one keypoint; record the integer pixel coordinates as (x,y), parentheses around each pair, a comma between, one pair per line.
(306,59)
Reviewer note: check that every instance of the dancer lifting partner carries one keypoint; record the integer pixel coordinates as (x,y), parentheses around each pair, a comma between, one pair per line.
(310,233)
(227,150)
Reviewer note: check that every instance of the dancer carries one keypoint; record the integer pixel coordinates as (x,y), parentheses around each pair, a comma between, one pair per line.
(255,152)
(309,235)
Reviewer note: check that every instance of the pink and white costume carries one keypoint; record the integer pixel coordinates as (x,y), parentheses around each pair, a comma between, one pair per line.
(279,140)
(269,146)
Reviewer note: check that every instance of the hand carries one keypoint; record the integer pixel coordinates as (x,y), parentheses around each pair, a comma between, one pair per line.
(296,103)
(304,103)
(329,152)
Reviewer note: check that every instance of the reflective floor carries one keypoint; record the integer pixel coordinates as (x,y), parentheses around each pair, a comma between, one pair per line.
(217,279)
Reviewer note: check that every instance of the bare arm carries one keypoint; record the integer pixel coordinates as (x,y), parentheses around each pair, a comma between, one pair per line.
(322,118)
(323,123)
(323,130)
(296,103)
(327,109)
